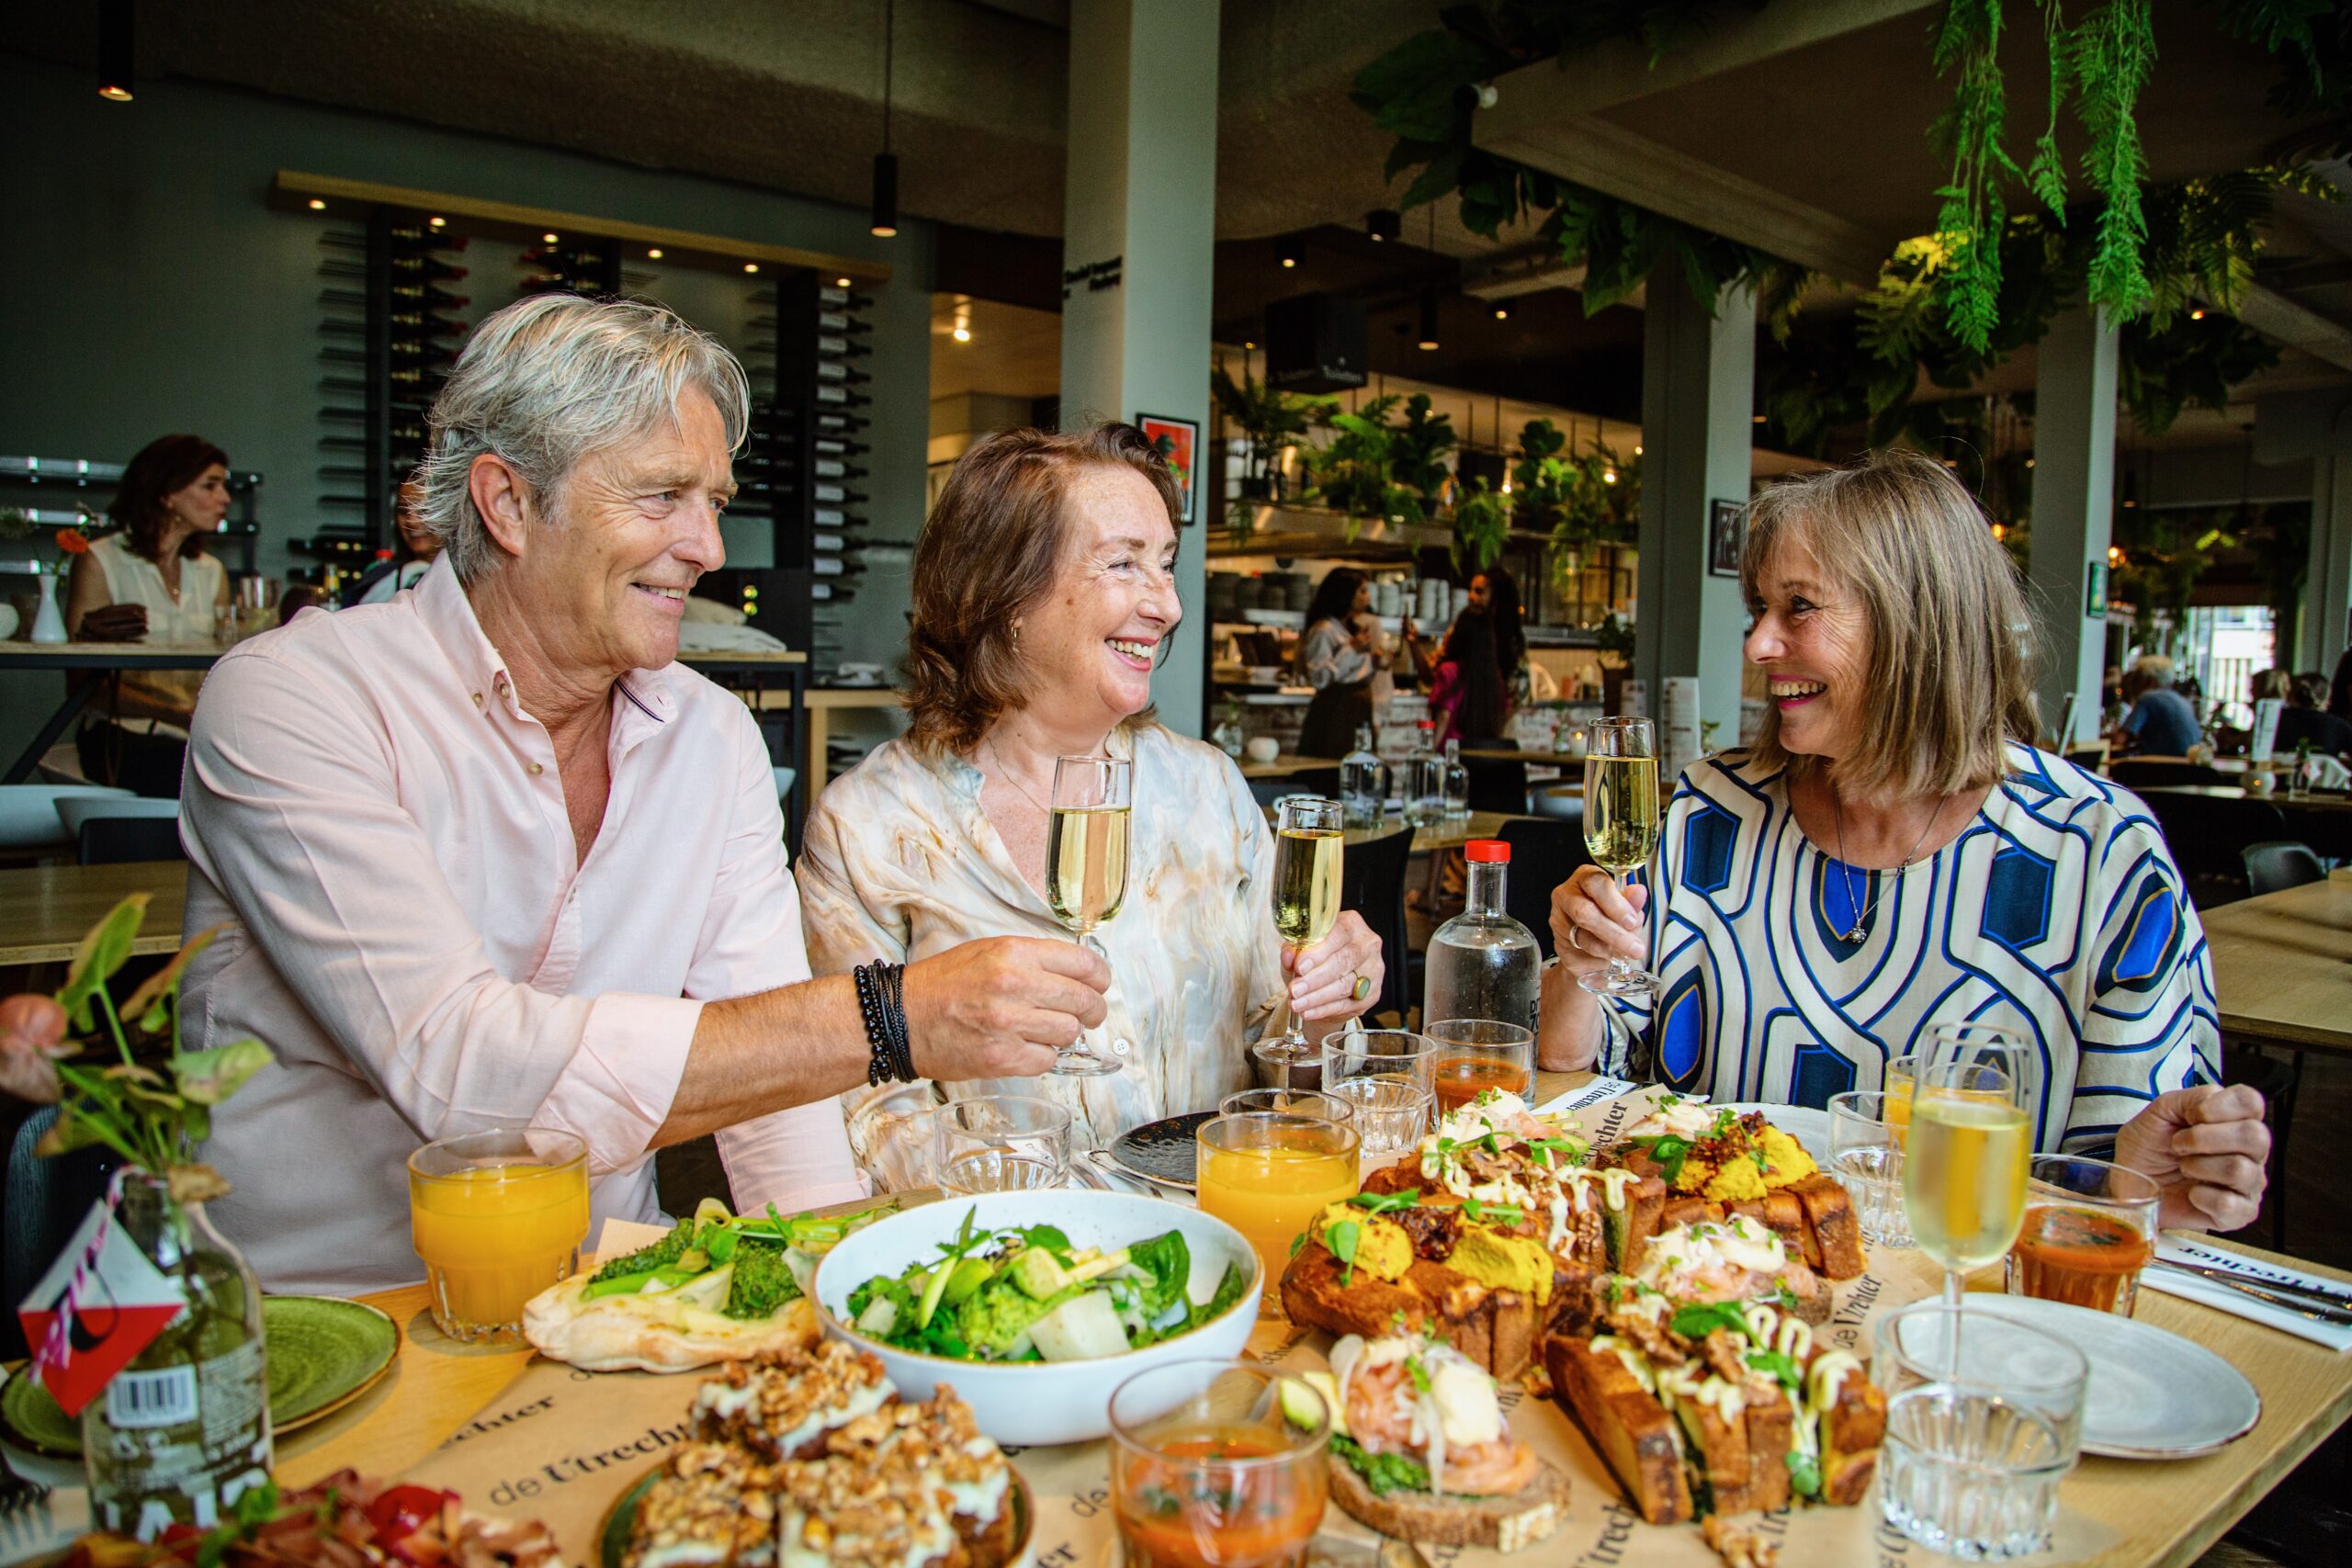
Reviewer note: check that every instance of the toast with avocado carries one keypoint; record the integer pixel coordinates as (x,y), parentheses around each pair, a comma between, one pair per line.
(1420,1449)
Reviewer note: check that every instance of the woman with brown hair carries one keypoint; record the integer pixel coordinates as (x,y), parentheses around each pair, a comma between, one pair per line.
(151,581)
(1044,598)
(1893,854)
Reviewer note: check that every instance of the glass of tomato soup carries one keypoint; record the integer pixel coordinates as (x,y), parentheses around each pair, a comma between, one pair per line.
(2090,1228)
(1216,1464)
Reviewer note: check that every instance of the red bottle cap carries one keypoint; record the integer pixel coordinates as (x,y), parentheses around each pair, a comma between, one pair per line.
(1490,851)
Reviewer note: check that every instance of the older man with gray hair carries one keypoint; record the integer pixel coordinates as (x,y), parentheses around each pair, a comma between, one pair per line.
(487,855)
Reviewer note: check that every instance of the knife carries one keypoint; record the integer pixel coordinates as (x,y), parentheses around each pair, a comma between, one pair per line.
(2301,1306)
(2285,1287)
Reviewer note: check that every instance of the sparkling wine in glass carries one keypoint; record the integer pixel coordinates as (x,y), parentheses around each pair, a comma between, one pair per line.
(1970,1143)
(1307,906)
(1086,873)
(1621,826)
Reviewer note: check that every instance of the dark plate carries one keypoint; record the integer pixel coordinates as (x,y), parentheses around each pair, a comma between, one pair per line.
(1166,1150)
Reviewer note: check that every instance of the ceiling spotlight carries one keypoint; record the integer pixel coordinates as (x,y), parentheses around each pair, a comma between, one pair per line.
(1637,448)
(885,211)
(1289,252)
(653,255)
(547,239)
(1249,343)
(1609,476)
(750,267)
(1428,339)
(963,332)
(2197,315)
(2114,555)
(437,223)
(317,206)
(1502,312)
(841,283)
(1383,223)
(1756,419)
(114,51)
(2000,533)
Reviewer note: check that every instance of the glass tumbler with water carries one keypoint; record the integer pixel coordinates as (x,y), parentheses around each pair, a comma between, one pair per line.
(1866,1156)
(1001,1143)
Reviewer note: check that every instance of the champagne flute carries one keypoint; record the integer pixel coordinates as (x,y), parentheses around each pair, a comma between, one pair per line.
(1086,871)
(1621,826)
(1970,1143)
(1307,846)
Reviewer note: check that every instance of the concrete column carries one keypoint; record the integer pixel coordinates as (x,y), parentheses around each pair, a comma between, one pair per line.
(2073,501)
(2326,624)
(1698,403)
(1137,253)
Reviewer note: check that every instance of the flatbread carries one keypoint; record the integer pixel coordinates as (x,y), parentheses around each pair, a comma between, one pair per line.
(655,1333)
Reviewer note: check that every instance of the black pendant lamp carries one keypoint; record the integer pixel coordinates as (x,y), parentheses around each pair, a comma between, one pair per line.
(114,49)
(1427,340)
(885,163)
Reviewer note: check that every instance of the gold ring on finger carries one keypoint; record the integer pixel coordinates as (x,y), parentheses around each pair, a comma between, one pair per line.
(1362,988)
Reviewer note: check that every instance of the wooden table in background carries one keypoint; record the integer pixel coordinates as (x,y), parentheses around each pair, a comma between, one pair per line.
(46,909)
(820,703)
(1284,766)
(2277,797)
(2282,966)
(2164,1514)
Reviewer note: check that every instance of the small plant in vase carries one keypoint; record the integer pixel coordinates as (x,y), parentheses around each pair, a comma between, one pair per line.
(182,1427)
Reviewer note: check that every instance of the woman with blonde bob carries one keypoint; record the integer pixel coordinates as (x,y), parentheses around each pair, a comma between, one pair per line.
(1894,854)
(1044,596)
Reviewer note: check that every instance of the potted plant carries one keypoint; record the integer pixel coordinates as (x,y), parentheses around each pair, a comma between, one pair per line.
(1268,419)
(182,1427)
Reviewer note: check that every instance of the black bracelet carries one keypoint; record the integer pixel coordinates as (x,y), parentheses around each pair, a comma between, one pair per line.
(879,1067)
(894,1014)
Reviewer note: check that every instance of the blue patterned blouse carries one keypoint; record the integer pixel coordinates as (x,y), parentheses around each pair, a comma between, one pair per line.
(2057,913)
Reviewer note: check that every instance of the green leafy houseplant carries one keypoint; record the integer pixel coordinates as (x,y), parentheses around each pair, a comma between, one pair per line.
(1268,418)
(1481,523)
(147,1470)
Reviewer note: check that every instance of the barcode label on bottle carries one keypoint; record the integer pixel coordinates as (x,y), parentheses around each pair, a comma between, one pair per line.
(162,1398)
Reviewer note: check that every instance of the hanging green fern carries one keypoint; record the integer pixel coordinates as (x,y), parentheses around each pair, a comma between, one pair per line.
(2108,59)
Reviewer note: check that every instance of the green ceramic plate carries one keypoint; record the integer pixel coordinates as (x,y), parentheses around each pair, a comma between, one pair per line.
(322,1353)
(612,1542)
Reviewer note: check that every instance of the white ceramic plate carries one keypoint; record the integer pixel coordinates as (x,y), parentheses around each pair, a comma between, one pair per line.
(1029,1402)
(1809,1127)
(2153,1394)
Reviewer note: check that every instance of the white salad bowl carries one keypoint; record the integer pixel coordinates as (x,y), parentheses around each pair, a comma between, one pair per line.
(1032,1403)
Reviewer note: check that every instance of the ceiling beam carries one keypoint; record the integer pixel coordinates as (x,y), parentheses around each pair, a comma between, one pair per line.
(1672,184)
(1621,71)
(2279,318)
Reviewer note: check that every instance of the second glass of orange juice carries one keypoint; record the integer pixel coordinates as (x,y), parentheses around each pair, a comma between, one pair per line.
(497,1217)
(1267,1174)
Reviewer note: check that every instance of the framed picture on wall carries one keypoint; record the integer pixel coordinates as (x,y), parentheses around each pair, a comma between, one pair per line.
(1179,441)
(2094,592)
(1724,527)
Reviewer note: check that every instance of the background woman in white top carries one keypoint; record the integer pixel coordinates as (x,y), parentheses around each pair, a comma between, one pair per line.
(1337,655)
(151,582)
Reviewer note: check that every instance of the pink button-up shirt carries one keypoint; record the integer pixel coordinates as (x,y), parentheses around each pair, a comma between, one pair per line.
(379,820)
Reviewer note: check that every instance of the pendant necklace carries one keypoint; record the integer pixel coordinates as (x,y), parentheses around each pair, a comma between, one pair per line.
(1853,901)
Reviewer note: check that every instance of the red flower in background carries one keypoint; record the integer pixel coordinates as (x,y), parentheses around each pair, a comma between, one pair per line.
(73,541)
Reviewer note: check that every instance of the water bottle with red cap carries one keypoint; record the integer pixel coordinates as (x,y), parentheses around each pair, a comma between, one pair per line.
(1483,963)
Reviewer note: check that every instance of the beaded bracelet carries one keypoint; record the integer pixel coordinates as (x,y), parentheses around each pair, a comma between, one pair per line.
(882,1065)
(894,1014)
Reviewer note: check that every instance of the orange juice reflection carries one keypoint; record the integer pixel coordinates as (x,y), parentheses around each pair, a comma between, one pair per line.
(492,1234)
(1267,1174)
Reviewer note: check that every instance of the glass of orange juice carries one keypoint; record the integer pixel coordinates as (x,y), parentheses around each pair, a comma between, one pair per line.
(497,1216)
(1267,1174)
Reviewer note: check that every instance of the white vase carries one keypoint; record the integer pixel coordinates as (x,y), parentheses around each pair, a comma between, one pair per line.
(48,623)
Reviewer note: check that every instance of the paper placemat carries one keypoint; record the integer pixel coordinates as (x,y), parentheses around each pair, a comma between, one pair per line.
(2177,1247)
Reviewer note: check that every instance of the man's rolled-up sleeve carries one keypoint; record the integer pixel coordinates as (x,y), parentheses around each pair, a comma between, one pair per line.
(290,807)
(798,1158)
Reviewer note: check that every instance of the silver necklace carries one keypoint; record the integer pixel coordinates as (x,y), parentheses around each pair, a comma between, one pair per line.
(1014,779)
(1853,899)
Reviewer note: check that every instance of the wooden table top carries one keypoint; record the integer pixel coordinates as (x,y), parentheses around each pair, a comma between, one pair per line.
(2164,1514)
(1283,766)
(2282,966)
(46,909)
(2277,797)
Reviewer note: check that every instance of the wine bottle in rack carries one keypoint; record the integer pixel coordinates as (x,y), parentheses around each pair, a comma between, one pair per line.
(836,321)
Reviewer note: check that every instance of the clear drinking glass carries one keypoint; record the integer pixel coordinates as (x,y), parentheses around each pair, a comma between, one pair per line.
(1208,1473)
(1866,1154)
(1308,844)
(1965,1151)
(1086,873)
(892,1139)
(1294,1101)
(1392,1116)
(496,1217)
(1474,1055)
(1001,1143)
(1399,1053)
(2089,1232)
(1267,1174)
(1621,826)
(1930,1342)
(1968,1474)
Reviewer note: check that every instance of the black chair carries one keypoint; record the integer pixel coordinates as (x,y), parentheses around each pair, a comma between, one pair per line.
(2207,835)
(46,1199)
(1372,883)
(1544,853)
(2277,865)
(113,840)
(1496,784)
(1323,782)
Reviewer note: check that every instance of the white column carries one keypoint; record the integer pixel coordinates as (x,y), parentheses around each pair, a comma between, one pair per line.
(2327,586)
(2074,499)
(1138,254)
(1698,402)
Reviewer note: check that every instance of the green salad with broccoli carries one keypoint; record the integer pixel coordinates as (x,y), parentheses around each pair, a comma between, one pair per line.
(742,1268)
(1028,1295)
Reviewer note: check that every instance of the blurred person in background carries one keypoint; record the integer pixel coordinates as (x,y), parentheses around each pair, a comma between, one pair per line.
(1339,657)
(2157,721)
(418,544)
(2305,718)
(151,580)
